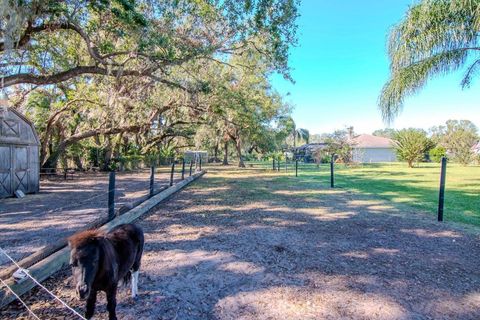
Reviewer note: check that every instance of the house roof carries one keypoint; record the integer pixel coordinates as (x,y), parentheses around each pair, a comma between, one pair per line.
(316,145)
(370,141)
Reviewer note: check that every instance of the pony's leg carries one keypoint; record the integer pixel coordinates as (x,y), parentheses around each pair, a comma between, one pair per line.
(90,308)
(135,268)
(112,303)
(134,284)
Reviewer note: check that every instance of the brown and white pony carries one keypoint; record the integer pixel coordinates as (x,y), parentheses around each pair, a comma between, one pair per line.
(100,260)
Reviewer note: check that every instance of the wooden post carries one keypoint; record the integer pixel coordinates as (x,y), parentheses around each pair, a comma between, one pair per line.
(191,166)
(183,169)
(296,168)
(332,177)
(111,195)
(152,180)
(171,173)
(441,194)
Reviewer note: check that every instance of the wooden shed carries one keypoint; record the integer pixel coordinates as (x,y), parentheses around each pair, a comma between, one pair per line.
(19,154)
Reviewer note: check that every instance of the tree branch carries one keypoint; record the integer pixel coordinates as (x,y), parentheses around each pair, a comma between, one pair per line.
(23,78)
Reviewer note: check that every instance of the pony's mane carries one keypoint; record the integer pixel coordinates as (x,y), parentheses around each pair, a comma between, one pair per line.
(83,237)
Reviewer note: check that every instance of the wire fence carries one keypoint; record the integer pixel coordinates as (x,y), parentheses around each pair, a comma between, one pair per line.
(27,274)
(30,225)
(64,207)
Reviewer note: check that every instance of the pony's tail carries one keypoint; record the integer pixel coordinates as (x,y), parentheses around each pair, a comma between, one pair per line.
(127,278)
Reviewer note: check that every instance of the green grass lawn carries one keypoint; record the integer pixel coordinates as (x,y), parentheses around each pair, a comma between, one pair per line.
(395,182)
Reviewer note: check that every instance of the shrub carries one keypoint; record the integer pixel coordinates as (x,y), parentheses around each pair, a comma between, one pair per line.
(411,145)
(437,153)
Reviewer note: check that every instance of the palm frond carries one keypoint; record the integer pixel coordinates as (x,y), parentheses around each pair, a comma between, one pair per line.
(410,79)
(434,38)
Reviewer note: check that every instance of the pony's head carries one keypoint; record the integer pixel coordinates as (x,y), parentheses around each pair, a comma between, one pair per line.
(85,257)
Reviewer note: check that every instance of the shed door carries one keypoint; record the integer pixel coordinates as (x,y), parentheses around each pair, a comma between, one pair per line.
(20,168)
(5,172)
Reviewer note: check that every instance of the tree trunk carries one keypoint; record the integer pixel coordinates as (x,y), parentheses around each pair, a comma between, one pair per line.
(52,160)
(215,153)
(107,156)
(225,154)
(238,146)
(78,162)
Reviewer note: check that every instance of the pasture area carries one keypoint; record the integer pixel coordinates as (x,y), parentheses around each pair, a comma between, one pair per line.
(417,187)
(257,244)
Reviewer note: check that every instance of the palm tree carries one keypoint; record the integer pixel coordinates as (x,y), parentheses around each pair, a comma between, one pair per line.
(300,134)
(435,37)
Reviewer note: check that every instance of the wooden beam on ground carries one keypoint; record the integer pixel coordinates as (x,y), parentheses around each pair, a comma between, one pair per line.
(55,262)
(52,248)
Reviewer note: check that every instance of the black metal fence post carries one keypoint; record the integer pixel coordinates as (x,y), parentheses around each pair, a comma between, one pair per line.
(191,166)
(273,164)
(183,169)
(111,195)
(332,173)
(152,180)
(200,163)
(296,168)
(171,173)
(441,194)
(278,165)
(286,165)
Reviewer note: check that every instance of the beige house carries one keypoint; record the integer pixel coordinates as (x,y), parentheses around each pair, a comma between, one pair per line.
(368,148)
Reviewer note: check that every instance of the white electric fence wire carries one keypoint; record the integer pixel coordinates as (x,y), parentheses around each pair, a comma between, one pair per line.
(41,286)
(16,295)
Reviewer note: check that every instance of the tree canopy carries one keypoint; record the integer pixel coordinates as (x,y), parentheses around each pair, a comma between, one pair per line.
(457,137)
(106,81)
(48,42)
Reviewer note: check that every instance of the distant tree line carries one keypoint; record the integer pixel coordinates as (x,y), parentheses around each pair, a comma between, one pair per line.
(454,140)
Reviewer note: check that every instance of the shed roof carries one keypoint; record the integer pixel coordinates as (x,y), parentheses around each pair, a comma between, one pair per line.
(371,141)
(15,128)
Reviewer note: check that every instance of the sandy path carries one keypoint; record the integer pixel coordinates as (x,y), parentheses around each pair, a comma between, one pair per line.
(233,249)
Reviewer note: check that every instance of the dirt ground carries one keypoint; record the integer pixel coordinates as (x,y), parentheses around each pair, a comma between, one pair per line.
(250,245)
(63,206)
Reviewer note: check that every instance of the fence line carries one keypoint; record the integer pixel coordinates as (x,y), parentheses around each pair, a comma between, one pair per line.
(296,167)
(133,191)
(27,273)
(19,299)
(91,198)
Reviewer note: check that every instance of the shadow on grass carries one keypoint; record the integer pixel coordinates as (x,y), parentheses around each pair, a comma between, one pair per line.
(462,203)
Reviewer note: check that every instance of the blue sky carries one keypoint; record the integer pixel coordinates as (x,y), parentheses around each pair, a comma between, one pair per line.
(341,65)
